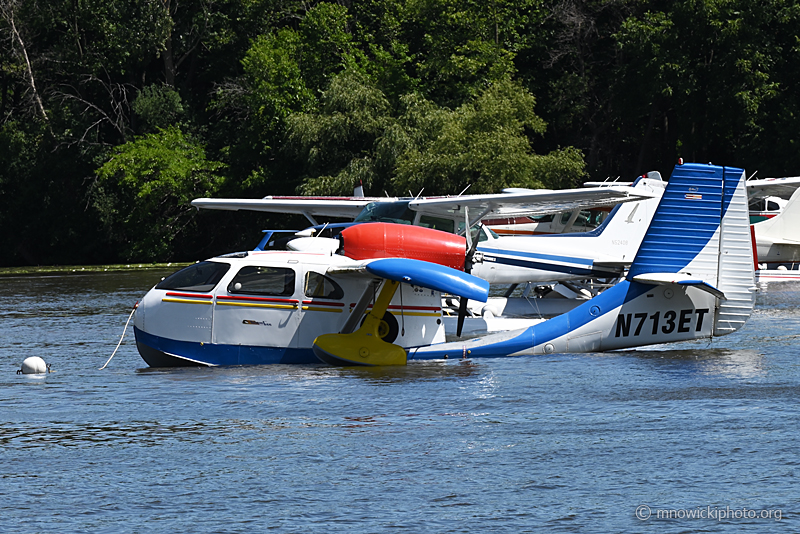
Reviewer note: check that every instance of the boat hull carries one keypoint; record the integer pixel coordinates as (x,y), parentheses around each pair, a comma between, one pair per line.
(158,351)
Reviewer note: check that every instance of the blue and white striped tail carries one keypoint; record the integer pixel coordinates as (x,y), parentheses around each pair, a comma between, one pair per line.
(700,235)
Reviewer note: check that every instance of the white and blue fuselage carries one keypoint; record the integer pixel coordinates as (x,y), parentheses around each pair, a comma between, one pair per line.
(268,307)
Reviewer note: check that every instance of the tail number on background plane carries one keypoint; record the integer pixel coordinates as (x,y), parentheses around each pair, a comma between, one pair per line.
(667,323)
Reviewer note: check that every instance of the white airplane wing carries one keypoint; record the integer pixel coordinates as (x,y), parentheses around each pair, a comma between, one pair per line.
(516,202)
(347,207)
(511,202)
(775,187)
(764,187)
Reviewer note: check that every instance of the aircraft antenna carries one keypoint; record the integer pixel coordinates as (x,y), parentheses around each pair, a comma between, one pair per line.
(418,194)
(462,191)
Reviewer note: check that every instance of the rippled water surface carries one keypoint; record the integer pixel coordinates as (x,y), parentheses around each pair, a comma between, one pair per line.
(563,443)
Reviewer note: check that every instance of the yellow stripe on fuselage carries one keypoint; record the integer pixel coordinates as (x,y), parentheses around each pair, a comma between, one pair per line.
(313,308)
(187,301)
(397,313)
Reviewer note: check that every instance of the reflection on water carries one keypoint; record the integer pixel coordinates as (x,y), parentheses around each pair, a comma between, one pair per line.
(414,371)
(722,362)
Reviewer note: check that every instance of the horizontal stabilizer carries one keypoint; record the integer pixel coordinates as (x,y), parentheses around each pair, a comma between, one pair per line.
(678,279)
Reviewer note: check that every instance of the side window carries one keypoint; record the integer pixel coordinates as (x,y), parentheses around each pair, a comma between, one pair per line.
(253,280)
(201,276)
(437,223)
(580,220)
(322,287)
(772,206)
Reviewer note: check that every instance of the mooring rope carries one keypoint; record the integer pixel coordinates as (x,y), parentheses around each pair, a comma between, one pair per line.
(122,336)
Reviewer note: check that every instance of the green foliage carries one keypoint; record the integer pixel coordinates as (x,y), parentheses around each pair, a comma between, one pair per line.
(482,144)
(337,141)
(462,45)
(277,88)
(144,191)
(158,106)
(326,44)
(397,94)
(707,59)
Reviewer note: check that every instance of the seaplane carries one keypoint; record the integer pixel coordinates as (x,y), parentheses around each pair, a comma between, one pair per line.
(378,301)
(777,243)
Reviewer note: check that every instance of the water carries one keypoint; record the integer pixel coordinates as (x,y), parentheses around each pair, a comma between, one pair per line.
(563,443)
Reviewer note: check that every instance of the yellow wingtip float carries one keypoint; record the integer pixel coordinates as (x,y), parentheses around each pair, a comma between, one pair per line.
(364,346)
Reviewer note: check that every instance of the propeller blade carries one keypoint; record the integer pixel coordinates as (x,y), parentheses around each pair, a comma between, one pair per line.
(462,312)
(471,248)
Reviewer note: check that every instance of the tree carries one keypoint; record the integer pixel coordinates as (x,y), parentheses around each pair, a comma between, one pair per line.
(460,46)
(144,190)
(482,145)
(337,142)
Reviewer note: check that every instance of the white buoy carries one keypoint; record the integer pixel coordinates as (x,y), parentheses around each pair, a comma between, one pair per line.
(33,365)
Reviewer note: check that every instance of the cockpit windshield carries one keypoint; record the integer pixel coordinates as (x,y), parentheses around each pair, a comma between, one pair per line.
(201,277)
(394,212)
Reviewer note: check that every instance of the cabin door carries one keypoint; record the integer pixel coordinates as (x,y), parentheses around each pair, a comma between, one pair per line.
(324,310)
(258,308)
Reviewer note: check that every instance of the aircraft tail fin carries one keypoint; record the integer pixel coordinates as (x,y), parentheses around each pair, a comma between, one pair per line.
(701,232)
(622,231)
(783,224)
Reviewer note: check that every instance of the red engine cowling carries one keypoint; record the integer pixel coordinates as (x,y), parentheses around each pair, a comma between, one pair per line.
(387,240)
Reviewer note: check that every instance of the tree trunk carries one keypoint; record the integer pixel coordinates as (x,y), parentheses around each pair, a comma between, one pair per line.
(7,9)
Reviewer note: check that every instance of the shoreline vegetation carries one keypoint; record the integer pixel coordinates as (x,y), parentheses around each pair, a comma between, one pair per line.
(43,270)
(114,116)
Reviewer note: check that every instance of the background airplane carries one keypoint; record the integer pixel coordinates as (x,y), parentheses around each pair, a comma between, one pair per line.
(449,213)
(604,252)
(778,238)
(693,277)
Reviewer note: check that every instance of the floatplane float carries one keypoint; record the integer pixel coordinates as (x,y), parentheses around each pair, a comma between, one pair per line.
(357,303)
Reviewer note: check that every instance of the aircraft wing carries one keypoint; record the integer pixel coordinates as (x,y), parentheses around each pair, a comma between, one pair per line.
(420,273)
(517,202)
(764,187)
(775,187)
(347,207)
